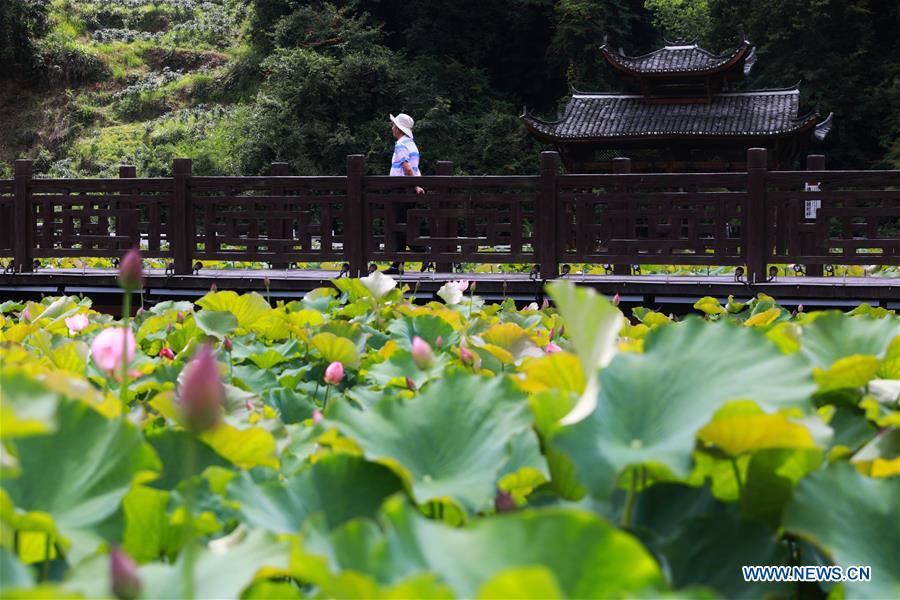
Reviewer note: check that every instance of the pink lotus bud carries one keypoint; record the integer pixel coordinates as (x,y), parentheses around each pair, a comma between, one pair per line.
(107,347)
(466,356)
(552,334)
(131,271)
(317,416)
(616,299)
(562,331)
(551,348)
(472,286)
(139,312)
(248,405)
(410,384)
(504,502)
(180,317)
(228,344)
(421,353)
(202,393)
(169,328)
(167,353)
(213,287)
(76,323)
(799,308)
(26,315)
(334,373)
(545,304)
(439,342)
(123,575)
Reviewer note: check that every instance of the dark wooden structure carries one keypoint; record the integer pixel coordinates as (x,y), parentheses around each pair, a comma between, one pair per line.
(551,221)
(677,114)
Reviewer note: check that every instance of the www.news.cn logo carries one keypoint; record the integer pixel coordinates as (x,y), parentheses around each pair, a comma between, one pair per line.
(807,573)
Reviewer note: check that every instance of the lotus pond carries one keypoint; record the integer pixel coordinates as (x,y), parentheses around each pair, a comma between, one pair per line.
(356,444)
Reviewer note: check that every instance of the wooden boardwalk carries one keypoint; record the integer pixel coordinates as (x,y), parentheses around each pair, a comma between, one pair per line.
(647,290)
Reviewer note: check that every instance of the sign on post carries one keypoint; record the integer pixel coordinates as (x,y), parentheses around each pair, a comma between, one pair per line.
(812,205)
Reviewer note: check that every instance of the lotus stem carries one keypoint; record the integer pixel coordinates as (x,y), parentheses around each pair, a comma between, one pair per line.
(629,500)
(737,477)
(126,327)
(187,573)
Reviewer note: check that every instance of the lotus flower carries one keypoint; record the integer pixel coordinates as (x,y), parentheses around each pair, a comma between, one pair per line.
(202,393)
(167,353)
(421,353)
(532,306)
(452,291)
(552,348)
(76,323)
(123,575)
(107,348)
(131,271)
(466,356)
(334,373)
(378,284)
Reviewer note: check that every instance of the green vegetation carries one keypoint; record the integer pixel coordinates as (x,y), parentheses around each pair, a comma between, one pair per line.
(88,84)
(354,444)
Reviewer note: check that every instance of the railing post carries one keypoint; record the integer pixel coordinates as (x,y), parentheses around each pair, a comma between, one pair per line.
(279,228)
(547,208)
(444,224)
(182,226)
(814,162)
(756,243)
(357,229)
(126,226)
(621,165)
(23,218)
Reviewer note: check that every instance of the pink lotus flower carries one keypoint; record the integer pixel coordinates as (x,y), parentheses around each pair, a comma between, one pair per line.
(108,346)
(76,323)
(552,348)
(317,416)
(123,575)
(167,353)
(466,356)
(202,393)
(131,271)
(421,353)
(334,373)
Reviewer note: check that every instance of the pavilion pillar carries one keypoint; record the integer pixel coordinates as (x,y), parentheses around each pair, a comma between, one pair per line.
(620,229)
(23,218)
(445,226)
(755,227)
(814,162)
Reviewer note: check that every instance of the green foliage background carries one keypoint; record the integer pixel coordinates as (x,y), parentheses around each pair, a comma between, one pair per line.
(86,85)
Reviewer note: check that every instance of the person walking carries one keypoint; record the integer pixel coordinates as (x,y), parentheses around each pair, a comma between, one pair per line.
(404,163)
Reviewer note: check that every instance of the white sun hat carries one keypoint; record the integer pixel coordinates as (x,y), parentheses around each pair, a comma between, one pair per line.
(404,123)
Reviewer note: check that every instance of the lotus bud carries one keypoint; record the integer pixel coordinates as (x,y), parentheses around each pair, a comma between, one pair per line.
(466,356)
(317,416)
(439,342)
(504,502)
(131,271)
(26,315)
(180,317)
(552,334)
(410,384)
(123,575)
(552,348)
(545,304)
(799,308)
(167,353)
(227,344)
(76,323)
(139,312)
(202,393)
(107,348)
(334,373)
(213,287)
(421,353)
(616,299)
(562,331)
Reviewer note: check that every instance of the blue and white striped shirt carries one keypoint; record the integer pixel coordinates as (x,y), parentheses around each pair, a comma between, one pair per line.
(405,150)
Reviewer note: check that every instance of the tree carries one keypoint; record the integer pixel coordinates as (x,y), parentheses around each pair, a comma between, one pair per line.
(21,23)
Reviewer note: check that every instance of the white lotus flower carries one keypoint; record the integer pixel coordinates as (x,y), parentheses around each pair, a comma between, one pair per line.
(450,293)
(378,284)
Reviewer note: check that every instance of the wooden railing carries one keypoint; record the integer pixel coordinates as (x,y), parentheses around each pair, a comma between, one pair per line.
(748,219)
